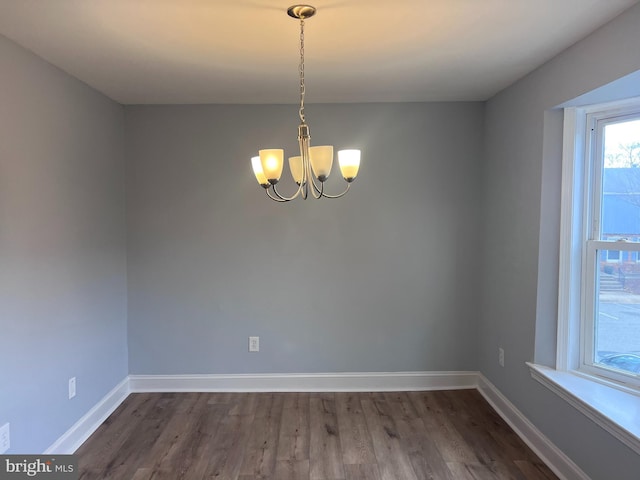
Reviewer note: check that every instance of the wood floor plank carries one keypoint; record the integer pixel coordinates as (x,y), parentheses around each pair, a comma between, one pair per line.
(167,449)
(294,438)
(260,456)
(393,461)
(116,472)
(220,397)
(470,471)
(465,413)
(462,417)
(232,438)
(142,474)
(362,472)
(355,439)
(448,440)
(506,441)
(291,470)
(134,452)
(400,406)
(325,455)
(535,470)
(112,434)
(446,435)
(188,445)
(242,403)
(425,458)
(426,468)
(202,447)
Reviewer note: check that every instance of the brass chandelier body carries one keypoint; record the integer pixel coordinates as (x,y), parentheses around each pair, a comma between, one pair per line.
(312,167)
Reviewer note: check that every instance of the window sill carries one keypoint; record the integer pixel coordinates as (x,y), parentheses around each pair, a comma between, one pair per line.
(616,411)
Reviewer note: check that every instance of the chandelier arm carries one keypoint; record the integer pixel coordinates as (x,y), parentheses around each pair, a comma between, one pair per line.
(275,199)
(303,142)
(305,180)
(282,197)
(340,194)
(317,190)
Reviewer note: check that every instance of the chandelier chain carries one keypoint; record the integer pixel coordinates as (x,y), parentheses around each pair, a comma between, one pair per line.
(301,71)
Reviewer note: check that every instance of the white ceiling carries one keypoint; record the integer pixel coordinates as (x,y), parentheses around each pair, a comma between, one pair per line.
(246,51)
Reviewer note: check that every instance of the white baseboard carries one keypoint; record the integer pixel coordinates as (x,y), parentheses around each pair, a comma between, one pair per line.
(71,440)
(551,455)
(305,382)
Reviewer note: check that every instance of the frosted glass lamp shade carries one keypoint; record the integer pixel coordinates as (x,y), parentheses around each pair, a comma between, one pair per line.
(349,161)
(257,171)
(321,161)
(272,161)
(295,165)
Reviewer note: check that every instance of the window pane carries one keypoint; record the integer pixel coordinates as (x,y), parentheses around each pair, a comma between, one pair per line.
(612,256)
(621,181)
(617,322)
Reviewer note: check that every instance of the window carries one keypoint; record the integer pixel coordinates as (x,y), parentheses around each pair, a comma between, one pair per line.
(599,317)
(612,256)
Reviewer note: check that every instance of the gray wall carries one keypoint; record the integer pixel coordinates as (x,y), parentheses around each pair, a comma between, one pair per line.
(521,224)
(62,248)
(382,280)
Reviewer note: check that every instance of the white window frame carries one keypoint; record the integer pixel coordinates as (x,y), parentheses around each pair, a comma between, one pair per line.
(580,239)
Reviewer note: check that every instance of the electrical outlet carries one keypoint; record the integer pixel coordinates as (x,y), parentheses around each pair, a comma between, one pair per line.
(72,387)
(5,438)
(254,344)
(501,356)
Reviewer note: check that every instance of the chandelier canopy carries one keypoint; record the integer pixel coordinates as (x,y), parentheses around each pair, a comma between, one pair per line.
(312,167)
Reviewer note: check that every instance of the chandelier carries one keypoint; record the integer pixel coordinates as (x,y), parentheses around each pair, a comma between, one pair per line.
(312,167)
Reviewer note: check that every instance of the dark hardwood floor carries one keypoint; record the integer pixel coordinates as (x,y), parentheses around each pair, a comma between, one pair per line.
(451,435)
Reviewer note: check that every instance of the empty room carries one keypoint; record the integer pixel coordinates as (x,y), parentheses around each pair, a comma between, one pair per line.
(344,240)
